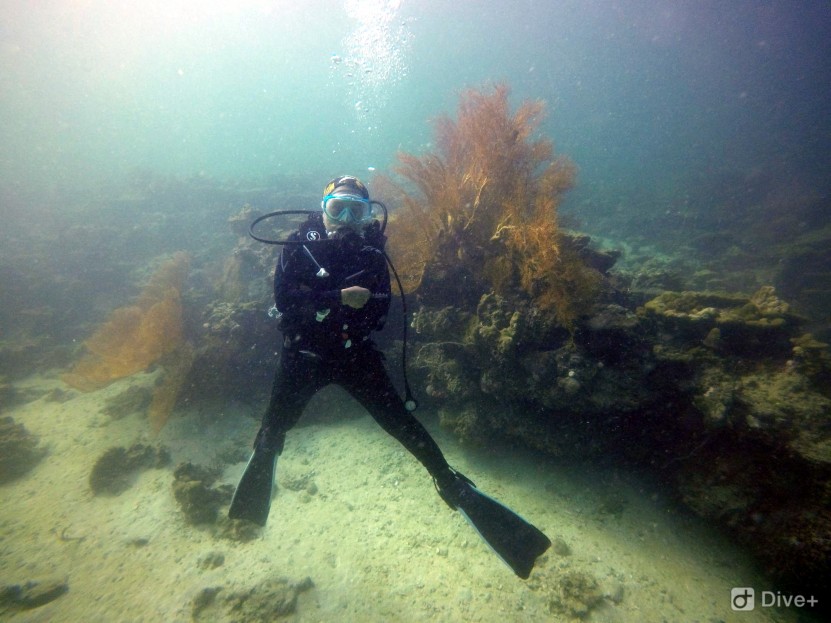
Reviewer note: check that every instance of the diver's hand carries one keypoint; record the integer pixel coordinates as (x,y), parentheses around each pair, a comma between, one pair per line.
(355,296)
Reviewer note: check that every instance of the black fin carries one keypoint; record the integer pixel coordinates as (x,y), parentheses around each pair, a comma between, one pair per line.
(513,539)
(252,499)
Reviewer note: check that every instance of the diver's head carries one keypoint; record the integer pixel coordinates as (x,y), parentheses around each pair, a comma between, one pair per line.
(346,204)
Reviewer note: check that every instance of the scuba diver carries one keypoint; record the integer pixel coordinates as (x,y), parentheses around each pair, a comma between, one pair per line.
(332,290)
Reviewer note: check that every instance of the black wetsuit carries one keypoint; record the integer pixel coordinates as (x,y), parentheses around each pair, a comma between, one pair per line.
(326,342)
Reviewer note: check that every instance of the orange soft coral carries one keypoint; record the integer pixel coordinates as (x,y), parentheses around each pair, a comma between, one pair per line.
(136,336)
(488,198)
(177,366)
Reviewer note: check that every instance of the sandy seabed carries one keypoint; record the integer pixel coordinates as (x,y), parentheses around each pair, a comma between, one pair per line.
(374,537)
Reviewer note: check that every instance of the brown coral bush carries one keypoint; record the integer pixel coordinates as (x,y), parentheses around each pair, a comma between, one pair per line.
(486,201)
(136,336)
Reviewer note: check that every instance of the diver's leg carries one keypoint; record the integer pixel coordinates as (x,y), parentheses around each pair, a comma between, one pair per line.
(367,380)
(515,541)
(297,378)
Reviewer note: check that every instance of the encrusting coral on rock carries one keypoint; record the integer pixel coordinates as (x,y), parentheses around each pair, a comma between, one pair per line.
(752,401)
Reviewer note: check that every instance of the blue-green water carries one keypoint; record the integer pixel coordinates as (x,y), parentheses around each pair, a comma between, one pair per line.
(131,130)
(649,98)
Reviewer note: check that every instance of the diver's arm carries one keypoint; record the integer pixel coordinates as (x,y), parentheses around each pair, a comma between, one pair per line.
(290,293)
(375,283)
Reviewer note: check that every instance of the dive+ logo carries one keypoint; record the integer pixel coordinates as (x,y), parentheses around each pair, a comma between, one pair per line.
(743,599)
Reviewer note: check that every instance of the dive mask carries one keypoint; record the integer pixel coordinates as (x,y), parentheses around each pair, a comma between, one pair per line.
(347,208)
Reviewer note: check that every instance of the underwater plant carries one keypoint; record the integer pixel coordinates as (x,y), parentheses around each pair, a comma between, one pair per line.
(481,208)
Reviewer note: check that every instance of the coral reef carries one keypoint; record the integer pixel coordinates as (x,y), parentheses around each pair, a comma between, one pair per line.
(725,394)
(756,411)
(804,274)
(777,505)
(812,359)
(235,353)
(760,325)
(484,214)
(234,337)
(524,334)
(19,450)
(114,470)
(509,359)
(25,354)
(781,398)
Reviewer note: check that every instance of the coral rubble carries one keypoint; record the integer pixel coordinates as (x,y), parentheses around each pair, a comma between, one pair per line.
(571,595)
(198,499)
(268,600)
